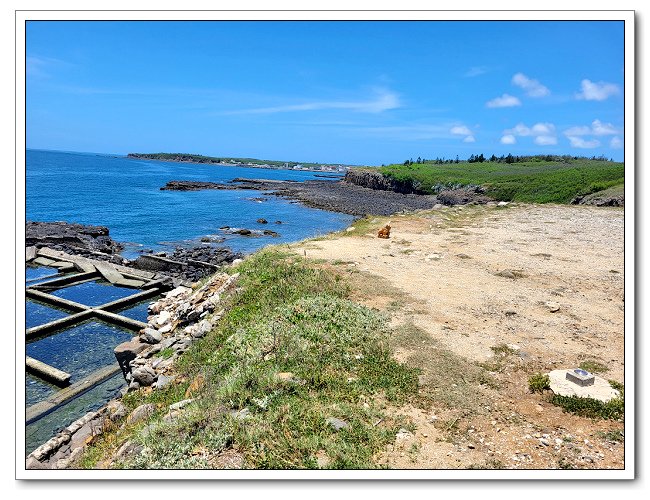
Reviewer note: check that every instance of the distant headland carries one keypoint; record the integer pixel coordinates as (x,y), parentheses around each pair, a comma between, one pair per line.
(242,162)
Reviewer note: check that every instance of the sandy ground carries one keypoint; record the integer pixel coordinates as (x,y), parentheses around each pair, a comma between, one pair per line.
(439,272)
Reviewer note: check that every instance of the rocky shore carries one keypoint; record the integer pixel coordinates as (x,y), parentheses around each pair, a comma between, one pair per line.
(94,242)
(334,196)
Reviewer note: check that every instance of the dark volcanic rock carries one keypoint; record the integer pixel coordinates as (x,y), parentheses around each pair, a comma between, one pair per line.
(375,180)
(462,196)
(70,238)
(193,186)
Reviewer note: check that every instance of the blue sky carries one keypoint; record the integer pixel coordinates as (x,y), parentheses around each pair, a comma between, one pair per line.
(338,92)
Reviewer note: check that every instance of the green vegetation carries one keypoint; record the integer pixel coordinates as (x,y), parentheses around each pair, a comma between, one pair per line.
(212,159)
(535,180)
(614,409)
(593,366)
(539,383)
(290,352)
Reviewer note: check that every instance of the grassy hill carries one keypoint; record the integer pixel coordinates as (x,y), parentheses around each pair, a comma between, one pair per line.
(528,181)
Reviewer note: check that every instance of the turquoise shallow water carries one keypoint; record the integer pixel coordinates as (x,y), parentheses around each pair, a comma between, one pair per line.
(124,195)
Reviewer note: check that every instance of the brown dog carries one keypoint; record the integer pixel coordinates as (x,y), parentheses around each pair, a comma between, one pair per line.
(384,232)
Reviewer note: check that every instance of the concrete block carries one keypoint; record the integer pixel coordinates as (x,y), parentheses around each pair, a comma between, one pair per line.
(43,261)
(109,272)
(30,253)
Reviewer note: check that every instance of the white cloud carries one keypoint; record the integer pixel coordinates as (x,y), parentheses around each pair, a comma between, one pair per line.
(577,131)
(545,140)
(384,101)
(476,71)
(532,87)
(579,142)
(592,91)
(543,132)
(463,130)
(600,128)
(597,128)
(460,130)
(616,143)
(542,129)
(520,129)
(505,101)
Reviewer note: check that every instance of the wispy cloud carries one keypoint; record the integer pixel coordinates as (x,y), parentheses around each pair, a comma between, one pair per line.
(597,91)
(545,140)
(405,132)
(532,87)
(616,143)
(597,128)
(505,101)
(40,67)
(384,100)
(476,71)
(579,142)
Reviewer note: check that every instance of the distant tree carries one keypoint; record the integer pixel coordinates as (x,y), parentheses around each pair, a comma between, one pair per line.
(457,160)
(510,158)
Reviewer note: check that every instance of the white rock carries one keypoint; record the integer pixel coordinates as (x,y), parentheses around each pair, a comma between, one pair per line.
(552,306)
(600,390)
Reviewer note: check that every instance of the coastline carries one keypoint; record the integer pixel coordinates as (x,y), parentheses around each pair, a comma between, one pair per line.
(454,324)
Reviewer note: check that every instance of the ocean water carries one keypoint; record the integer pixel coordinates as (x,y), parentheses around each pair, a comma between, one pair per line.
(124,195)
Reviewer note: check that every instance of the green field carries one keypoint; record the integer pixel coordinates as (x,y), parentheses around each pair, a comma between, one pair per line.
(529,181)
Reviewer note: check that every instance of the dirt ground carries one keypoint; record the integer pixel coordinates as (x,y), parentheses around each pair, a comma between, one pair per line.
(437,276)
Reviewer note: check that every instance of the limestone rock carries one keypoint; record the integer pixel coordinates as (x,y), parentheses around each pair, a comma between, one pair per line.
(140,413)
(150,336)
(336,423)
(552,306)
(144,376)
(600,390)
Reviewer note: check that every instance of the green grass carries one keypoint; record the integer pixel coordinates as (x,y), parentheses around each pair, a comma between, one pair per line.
(614,409)
(286,316)
(539,383)
(593,366)
(535,182)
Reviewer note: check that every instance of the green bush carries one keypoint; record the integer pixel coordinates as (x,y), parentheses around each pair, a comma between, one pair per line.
(539,383)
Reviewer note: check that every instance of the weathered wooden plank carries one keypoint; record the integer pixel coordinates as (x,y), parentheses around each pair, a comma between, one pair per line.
(47,372)
(39,410)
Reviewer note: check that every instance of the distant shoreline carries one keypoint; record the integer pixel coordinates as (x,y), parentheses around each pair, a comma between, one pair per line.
(334,169)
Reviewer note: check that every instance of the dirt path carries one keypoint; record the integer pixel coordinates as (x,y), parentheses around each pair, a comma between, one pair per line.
(438,277)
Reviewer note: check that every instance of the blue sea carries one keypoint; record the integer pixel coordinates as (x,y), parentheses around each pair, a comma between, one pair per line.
(124,195)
